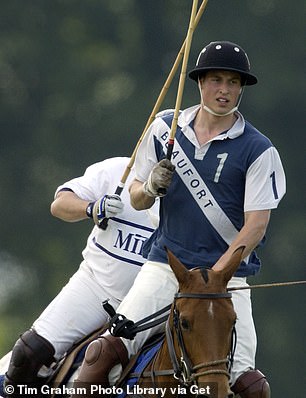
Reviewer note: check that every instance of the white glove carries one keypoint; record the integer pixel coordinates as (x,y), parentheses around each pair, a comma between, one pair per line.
(159,179)
(106,207)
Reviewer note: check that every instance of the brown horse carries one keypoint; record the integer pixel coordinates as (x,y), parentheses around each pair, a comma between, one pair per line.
(193,360)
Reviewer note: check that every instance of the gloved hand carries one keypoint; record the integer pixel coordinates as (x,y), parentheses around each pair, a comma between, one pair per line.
(106,207)
(159,179)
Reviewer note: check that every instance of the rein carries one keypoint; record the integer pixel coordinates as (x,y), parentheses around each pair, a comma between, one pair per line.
(120,326)
(277,284)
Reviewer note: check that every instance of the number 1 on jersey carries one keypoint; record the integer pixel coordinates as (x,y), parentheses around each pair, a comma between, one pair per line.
(272,176)
(222,157)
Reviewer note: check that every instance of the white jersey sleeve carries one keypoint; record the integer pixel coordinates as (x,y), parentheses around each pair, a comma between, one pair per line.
(265,182)
(97,180)
(146,156)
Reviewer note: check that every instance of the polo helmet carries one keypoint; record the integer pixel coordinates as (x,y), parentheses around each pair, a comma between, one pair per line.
(224,55)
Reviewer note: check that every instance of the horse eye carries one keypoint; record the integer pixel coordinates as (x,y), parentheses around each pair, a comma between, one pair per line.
(185,324)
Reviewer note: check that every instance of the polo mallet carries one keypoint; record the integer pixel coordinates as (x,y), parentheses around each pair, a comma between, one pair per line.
(181,85)
(158,103)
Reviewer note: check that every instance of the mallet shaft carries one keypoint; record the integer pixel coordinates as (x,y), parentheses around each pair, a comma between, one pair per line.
(161,96)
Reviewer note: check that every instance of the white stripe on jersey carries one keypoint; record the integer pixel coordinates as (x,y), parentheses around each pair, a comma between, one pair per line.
(202,195)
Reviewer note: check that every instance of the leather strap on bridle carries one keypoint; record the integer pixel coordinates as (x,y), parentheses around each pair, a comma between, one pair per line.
(203,295)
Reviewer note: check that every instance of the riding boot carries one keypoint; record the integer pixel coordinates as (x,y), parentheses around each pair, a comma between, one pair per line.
(100,357)
(252,384)
(29,354)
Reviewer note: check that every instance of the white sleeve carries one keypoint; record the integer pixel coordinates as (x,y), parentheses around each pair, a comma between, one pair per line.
(265,182)
(91,186)
(146,156)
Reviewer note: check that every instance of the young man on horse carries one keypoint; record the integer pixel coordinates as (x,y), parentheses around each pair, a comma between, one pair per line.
(217,193)
(111,260)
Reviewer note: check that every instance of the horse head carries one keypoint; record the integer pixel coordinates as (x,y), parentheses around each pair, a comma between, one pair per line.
(201,327)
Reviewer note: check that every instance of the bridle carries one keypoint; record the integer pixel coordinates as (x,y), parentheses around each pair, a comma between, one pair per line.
(184,370)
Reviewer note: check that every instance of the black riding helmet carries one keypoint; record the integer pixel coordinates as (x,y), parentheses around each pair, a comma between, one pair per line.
(224,55)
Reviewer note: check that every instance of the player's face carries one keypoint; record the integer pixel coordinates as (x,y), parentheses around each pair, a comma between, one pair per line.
(220,90)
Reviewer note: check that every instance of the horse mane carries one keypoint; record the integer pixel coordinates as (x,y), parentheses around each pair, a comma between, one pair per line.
(204,273)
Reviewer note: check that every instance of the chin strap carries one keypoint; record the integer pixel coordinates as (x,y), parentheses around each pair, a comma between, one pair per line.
(207,109)
(218,114)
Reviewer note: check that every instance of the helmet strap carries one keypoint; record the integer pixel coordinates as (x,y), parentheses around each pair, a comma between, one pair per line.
(207,109)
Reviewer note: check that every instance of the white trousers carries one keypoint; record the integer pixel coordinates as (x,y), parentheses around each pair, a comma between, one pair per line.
(154,288)
(75,312)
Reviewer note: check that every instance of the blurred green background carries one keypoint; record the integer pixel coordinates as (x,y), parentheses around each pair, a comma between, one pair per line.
(78,80)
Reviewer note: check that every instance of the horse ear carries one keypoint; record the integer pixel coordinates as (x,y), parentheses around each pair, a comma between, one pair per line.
(179,269)
(233,263)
